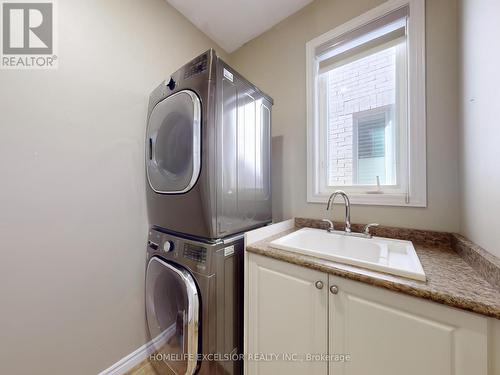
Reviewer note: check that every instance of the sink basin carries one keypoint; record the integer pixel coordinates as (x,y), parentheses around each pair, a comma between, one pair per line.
(396,257)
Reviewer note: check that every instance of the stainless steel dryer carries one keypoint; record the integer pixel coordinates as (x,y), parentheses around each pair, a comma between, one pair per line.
(194,305)
(208,151)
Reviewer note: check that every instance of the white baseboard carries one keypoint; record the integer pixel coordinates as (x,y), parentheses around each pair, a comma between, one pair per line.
(130,361)
(133,359)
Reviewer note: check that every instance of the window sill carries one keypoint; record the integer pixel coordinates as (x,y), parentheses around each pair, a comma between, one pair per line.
(372,199)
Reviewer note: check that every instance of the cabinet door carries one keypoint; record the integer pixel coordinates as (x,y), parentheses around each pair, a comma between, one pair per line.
(386,333)
(287,317)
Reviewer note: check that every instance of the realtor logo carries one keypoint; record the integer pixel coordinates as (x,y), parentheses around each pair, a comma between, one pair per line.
(28,35)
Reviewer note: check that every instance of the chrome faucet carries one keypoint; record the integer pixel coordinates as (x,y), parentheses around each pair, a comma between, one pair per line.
(366,232)
(347,207)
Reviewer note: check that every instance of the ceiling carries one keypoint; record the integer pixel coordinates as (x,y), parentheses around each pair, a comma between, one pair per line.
(232,23)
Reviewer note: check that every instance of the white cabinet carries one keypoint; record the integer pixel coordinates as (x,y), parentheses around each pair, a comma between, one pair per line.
(392,334)
(287,318)
(381,332)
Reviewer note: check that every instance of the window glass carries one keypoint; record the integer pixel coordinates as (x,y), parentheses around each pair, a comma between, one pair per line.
(361,96)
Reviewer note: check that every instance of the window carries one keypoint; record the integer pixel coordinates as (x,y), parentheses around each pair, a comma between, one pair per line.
(373,144)
(366,108)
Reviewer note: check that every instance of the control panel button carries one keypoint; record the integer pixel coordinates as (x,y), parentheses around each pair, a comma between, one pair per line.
(168,246)
(171,84)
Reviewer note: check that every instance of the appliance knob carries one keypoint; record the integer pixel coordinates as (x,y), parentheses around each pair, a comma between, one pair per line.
(171,84)
(168,246)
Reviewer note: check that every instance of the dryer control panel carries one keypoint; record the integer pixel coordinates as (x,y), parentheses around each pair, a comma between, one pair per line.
(197,66)
(195,253)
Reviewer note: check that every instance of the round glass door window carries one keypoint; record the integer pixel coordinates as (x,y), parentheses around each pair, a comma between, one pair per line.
(174,143)
(172,312)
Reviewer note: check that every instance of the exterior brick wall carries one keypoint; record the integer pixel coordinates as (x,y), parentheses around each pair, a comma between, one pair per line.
(359,86)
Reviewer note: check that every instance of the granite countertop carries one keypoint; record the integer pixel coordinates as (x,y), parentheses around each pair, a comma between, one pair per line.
(450,279)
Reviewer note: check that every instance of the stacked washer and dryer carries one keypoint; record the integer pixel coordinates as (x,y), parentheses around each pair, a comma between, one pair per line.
(208,152)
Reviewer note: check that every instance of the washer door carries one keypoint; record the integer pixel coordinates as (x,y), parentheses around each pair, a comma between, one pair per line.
(173,143)
(172,311)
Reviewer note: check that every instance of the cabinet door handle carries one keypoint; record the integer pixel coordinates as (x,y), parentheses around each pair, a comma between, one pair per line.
(334,289)
(319,284)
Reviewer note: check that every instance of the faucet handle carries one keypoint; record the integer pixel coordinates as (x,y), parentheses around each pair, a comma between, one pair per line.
(367,228)
(330,224)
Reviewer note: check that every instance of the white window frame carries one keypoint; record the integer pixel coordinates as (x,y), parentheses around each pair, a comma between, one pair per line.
(416,189)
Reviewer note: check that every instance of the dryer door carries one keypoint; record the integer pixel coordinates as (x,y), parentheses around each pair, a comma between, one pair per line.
(173,143)
(172,311)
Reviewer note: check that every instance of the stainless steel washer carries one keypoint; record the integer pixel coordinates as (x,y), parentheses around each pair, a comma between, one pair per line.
(194,304)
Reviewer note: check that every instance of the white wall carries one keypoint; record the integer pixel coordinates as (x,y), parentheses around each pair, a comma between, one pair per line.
(275,61)
(73,222)
(480,126)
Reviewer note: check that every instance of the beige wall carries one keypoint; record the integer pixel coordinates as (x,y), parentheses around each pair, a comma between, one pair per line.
(73,222)
(72,213)
(275,61)
(480,125)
